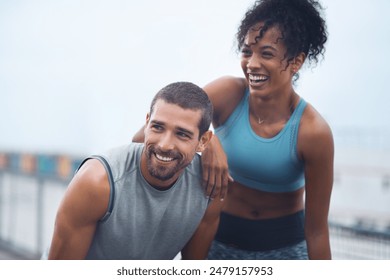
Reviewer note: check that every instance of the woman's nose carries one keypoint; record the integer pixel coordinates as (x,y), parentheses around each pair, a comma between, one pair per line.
(253,62)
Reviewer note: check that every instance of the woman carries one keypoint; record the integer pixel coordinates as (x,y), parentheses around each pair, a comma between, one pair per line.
(278,148)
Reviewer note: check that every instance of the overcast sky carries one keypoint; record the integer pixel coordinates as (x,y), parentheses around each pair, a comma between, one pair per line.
(78,76)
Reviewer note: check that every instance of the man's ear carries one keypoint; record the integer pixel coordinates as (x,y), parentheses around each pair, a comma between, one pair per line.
(147,119)
(204,141)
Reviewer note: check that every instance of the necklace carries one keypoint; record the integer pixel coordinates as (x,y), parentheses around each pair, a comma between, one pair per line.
(259,120)
(291,107)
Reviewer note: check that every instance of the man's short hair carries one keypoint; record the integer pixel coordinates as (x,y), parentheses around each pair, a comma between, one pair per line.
(188,96)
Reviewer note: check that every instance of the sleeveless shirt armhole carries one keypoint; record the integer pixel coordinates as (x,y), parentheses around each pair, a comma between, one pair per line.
(223,129)
(110,181)
(295,127)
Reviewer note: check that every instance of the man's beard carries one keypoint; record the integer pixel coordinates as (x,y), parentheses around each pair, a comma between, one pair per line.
(162,172)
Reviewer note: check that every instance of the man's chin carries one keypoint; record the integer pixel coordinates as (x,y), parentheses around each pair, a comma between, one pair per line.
(161,176)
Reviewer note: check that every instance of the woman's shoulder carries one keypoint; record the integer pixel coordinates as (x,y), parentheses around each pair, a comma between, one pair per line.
(313,121)
(225,93)
(314,129)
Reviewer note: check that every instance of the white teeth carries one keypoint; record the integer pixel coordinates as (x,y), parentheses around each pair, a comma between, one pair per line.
(164,158)
(257,78)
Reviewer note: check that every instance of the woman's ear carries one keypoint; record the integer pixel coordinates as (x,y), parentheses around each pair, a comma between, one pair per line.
(204,141)
(298,62)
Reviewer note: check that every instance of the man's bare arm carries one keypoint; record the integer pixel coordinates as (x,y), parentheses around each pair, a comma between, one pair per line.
(85,202)
(198,246)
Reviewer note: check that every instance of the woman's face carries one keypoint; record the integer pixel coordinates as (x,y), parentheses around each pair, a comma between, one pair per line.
(264,63)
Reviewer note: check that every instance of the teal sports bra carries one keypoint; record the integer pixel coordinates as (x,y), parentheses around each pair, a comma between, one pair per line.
(266,164)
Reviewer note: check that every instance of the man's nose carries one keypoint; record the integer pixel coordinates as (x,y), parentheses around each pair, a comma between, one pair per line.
(166,142)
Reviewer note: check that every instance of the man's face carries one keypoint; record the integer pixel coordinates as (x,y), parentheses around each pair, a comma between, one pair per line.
(171,141)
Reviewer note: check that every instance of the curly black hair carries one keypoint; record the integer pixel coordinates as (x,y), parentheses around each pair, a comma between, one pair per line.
(300,22)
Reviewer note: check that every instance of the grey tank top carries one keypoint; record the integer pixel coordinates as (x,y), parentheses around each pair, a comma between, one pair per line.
(142,222)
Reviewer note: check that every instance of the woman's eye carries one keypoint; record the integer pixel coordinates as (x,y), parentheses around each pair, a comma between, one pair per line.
(246,52)
(268,54)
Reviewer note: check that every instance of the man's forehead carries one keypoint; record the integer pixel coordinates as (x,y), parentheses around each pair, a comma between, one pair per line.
(161,105)
(173,113)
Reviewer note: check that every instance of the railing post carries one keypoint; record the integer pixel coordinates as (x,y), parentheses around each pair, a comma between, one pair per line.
(40,213)
(1,202)
(13,201)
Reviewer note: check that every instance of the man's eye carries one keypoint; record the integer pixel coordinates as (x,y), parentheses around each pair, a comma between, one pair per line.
(157,127)
(183,135)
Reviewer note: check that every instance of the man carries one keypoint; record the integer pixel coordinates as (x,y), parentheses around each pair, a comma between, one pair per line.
(144,201)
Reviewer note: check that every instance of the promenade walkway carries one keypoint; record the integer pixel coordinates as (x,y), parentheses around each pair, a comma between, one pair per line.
(9,254)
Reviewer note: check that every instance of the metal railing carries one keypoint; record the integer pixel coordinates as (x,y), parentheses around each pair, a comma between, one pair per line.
(357,243)
(31,188)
